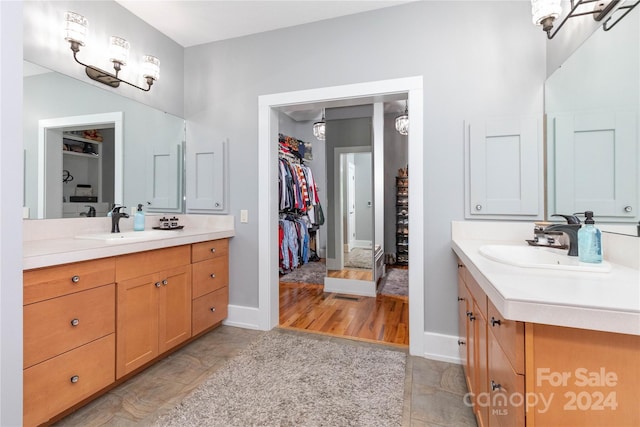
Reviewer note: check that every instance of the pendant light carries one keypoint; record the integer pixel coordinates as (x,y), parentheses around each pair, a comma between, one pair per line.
(319,128)
(402,121)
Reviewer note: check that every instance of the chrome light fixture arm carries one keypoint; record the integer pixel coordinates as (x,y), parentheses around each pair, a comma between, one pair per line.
(599,11)
(103,76)
(626,8)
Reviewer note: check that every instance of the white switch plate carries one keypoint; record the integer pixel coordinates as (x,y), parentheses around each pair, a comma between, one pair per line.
(244,216)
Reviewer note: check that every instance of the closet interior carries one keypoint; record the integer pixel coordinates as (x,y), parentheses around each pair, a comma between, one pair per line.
(299,206)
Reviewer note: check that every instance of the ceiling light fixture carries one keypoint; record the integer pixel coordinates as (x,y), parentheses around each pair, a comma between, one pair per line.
(546,12)
(76,33)
(402,121)
(319,128)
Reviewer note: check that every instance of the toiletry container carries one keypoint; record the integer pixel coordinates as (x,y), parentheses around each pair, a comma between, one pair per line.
(589,241)
(138,219)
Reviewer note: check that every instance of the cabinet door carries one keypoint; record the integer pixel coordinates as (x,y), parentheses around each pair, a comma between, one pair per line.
(174,308)
(595,164)
(206,177)
(503,165)
(463,333)
(164,178)
(137,322)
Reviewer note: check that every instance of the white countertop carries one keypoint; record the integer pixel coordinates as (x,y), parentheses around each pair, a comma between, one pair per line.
(600,301)
(62,247)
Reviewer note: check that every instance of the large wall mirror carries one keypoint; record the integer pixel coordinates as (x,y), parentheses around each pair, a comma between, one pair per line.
(593,151)
(85,146)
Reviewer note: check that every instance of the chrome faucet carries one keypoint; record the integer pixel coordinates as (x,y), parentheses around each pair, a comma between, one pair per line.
(570,229)
(115,218)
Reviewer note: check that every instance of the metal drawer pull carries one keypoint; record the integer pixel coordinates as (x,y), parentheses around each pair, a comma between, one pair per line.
(75,322)
(470,316)
(495,386)
(460,299)
(164,282)
(213,309)
(158,284)
(461,342)
(75,379)
(213,250)
(628,209)
(75,279)
(213,275)
(495,322)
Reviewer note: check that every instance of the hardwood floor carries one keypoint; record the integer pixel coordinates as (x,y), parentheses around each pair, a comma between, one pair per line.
(351,273)
(379,319)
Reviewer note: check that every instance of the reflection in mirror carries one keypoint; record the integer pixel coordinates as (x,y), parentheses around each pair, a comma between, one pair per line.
(148,169)
(350,208)
(592,104)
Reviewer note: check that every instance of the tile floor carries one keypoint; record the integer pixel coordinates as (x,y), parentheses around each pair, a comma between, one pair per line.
(433,390)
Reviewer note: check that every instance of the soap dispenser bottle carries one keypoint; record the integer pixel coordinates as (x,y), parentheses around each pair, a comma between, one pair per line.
(138,219)
(589,241)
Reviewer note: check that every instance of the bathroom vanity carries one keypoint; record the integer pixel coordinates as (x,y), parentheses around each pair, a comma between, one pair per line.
(98,310)
(545,346)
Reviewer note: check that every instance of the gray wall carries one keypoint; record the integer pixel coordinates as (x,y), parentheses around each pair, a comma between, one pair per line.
(496,66)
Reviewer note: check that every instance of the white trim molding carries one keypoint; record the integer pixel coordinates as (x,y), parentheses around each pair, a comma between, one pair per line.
(356,94)
(441,347)
(243,317)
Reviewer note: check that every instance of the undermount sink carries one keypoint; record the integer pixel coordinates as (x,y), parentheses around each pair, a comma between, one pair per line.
(127,236)
(540,257)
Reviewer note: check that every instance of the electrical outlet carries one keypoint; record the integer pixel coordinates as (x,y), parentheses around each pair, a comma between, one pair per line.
(244,216)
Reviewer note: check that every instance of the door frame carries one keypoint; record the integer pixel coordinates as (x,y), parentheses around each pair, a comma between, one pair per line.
(115,119)
(369,92)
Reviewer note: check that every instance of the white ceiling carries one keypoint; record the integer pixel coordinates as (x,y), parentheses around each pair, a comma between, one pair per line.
(194,22)
(191,22)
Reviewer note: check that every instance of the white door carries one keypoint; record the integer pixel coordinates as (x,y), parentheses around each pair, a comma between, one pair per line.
(351,204)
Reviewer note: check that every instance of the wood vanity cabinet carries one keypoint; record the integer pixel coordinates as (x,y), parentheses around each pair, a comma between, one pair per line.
(69,336)
(210,283)
(154,305)
(474,311)
(89,324)
(529,374)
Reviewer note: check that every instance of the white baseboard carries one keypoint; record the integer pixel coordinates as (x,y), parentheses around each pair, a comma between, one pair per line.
(441,347)
(243,317)
(365,244)
(349,286)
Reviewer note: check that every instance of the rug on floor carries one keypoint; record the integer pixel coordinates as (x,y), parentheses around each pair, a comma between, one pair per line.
(395,282)
(312,272)
(358,258)
(284,379)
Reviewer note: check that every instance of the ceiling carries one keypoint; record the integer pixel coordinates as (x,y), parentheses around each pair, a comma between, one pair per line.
(192,22)
(195,22)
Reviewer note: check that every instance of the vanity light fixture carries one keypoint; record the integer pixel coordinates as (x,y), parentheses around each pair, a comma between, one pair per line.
(546,12)
(402,121)
(75,34)
(319,128)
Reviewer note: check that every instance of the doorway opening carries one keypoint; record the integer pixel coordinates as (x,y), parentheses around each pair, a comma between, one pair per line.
(356,94)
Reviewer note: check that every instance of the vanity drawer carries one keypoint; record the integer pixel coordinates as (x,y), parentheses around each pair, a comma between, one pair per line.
(210,275)
(148,262)
(58,325)
(50,282)
(59,383)
(209,309)
(510,336)
(210,249)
